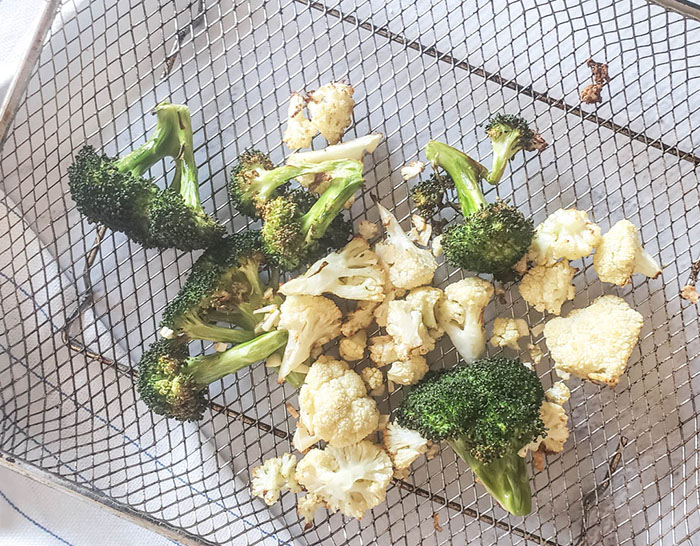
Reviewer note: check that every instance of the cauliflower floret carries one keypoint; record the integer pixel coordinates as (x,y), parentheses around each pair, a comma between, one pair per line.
(412,169)
(408,265)
(374,380)
(334,405)
(405,325)
(275,475)
(436,246)
(461,315)
(555,420)
(594,342)
(381,313)
(547,287)
(566,233)
(300,131)
(351,479)
(421,231)
(330,109)
(536,353)
(307,506)
(426,300)
(558,393)
(359,318)
(367,230)
(620,255)
(353,348)
(382,350)
(408,372)
(271,318)
(403,445)
(507,332)
(311,321)
(352,273)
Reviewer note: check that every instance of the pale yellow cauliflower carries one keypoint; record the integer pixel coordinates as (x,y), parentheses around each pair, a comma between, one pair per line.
(374,379)
(620,255)
(359,318)
(300,131)
(555,421)
(274,476)
(558,393)
(334,405)
(367,230)
(403,445)
(566,233)
(547,287)
(352,479)
(307,506)
(382,350)
(330,109)
(594,342)
(353,348)
(408,372)
(507,332)
(412,322)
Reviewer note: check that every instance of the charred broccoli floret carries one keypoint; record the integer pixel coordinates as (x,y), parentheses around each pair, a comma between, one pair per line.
(429,195)
(509,134)
(114,192)
(487,411)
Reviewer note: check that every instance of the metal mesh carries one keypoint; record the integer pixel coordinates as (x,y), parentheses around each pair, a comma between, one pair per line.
(79,306)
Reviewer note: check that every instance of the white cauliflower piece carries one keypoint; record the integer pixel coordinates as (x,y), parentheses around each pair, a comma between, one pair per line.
(271,318)
(367,230)
(547,287)
(274,476)
(594,342)
(307,506)
(303,439)
(374,380)
(403,445)
(555,420)
(408,372)
(353,348)
(436,246)
(536,353)
(426,299)
(408,265)
(412,169)
(566,233)
(334,405)
(311,322)
(330,109)
(359,318)
(405,325)
(352,273)
(381,312)
(558,393)
(620,255)
(421,231)
(461,315)
(382,350)
(507,332)
(351,479)
(300,131)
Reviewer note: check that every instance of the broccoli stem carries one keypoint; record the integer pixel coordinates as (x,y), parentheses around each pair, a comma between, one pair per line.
(196,329)
(209,368)
(347,180)
(505,478)
(504,148)
(464,171)
(165,141)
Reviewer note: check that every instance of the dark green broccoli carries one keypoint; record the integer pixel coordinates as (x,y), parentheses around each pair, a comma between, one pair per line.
(293,235)
(509,134)
(224,286)
(429,195)
(492,237)
(487,411)
(174,384)
(115,193)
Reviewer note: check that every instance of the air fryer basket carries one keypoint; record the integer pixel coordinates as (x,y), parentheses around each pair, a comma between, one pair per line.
(79,303)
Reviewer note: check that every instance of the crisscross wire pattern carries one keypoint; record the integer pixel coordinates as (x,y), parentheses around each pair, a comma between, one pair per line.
(80,304)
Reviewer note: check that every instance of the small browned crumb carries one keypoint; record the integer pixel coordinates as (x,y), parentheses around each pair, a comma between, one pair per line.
(599,71)
(433,450)
(292,410)
(537,144)
(436,522)
(594,92)
(538,459)
(690,293)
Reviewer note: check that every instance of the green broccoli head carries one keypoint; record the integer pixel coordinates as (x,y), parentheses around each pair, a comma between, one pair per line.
(429,195)
(251,182)
(487,411)
(224,285)
(509,134)
(490,240)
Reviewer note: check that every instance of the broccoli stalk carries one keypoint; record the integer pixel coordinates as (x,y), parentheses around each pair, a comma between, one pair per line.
(293,236)
(114,192)
(509,134)
(174,384)
(493,236)
(487,411)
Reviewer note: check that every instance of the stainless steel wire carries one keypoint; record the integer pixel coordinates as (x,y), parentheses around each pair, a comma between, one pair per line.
(79,303)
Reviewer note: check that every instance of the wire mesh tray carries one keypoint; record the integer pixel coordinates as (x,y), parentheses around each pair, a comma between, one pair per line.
(80,304)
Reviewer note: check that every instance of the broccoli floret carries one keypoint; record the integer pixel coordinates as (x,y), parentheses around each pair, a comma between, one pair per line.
(487,411)
(492,237)
(509,134)
(293,235)
(224,286)
(429,195)
(114,192)
(174,384)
